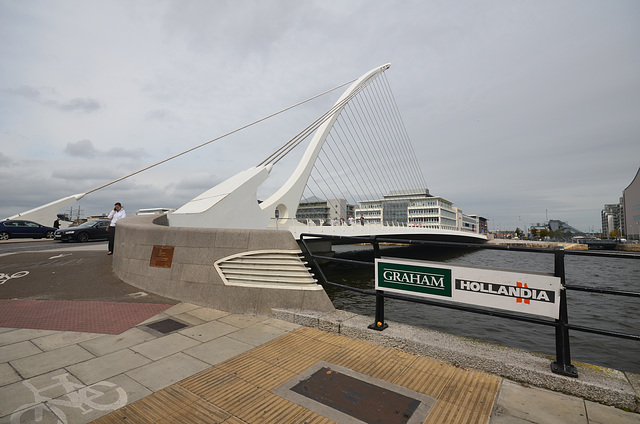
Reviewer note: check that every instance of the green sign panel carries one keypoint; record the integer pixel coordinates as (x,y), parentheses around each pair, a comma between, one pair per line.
(418,279)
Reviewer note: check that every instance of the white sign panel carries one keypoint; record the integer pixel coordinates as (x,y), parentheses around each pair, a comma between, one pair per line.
(528,293)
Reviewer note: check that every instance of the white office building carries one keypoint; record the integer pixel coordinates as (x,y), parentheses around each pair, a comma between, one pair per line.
(416,208)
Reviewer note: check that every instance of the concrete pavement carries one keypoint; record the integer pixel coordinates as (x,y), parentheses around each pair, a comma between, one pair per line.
(150,374)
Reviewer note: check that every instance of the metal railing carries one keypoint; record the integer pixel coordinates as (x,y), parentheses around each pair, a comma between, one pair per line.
(562,365)
(308,224)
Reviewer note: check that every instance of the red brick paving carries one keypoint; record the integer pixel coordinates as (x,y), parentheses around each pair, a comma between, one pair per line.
(81,316)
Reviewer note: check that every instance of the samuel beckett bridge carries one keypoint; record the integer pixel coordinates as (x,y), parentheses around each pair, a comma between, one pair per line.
(359,176)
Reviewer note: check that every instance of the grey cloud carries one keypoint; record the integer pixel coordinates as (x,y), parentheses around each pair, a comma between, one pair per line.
(88,175)
(82,149)
(28,92)
(5,161)
(160,115)
(119,152)
(86,149)
(79,104)
(43,96)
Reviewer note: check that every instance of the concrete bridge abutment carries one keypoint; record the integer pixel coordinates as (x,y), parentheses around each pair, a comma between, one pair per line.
(234,270)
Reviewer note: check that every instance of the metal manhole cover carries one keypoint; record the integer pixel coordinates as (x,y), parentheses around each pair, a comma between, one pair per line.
(347,396)
(166,326)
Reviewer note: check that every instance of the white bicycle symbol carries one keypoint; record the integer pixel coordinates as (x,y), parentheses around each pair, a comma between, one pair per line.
(6,277)
(79,395)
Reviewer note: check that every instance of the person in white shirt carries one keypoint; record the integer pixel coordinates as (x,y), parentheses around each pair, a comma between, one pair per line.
(115,215)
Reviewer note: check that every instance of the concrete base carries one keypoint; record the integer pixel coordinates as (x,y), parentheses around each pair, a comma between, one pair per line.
(191,275)
(597,384)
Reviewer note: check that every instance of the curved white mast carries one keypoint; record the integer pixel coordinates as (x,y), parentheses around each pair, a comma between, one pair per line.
(287,198)
(233,203)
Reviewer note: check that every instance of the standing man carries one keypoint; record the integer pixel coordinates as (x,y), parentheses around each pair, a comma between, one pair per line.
(116,214)
(56,224)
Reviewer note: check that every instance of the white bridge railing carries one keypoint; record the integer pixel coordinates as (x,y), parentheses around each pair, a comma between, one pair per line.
(298,227)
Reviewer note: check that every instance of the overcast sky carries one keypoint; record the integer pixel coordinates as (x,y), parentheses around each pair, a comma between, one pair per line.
(517,110)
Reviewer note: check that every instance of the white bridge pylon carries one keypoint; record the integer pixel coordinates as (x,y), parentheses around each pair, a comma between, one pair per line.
(234,202)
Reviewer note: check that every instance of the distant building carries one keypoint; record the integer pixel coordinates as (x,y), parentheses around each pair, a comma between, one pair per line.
(556,224)
(416,208)
(483,225)
(631,208)
(322,212)
(612,218)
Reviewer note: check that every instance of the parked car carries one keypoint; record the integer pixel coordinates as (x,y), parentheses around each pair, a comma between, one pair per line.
(90,230)
(14,228)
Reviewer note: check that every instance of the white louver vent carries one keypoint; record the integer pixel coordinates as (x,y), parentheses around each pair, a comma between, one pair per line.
(281,269)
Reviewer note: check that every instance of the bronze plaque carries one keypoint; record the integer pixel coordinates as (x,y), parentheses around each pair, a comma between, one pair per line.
(162,256)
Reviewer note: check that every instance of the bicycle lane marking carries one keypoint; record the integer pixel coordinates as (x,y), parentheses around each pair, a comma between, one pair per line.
(6,277)
(75,396)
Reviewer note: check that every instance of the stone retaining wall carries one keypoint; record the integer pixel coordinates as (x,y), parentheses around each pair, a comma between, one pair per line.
(192,276)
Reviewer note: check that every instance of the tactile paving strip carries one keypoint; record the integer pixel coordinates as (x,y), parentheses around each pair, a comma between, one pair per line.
(241,390)
(70,315)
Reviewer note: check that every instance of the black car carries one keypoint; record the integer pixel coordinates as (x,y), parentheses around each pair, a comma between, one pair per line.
(90,230)
(14,228)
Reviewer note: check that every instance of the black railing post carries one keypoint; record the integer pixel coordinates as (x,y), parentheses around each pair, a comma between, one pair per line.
(379,323)
(562,364)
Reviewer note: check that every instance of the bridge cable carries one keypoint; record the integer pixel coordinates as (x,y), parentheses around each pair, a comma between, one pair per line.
(285,149)
(296,140)
(386,152)
(399,150)
(367,156)
(404,132)
(217,138)
(339,174)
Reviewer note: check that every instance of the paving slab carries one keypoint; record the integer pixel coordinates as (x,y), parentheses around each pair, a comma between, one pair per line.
(208,331)
(164,346)
(218,350)
(103,397)
(160,374)
(534,405)
(207,314)
(110,343)
(603,414)
(48,361)
(22,394)
(187,318)
(107,366)
(21,334)
(241,321)
(62,339)
(181,308)
(8,375)
(257,334)
(18,350)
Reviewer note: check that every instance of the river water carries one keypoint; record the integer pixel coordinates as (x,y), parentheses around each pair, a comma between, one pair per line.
(608,312)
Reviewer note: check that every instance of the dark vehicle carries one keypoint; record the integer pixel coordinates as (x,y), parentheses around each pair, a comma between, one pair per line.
(14,228)
(90,230)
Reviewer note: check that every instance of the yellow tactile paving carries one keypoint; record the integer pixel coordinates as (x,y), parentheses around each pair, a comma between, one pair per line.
(422,383)
(240,389)
(443,412)
(198,412)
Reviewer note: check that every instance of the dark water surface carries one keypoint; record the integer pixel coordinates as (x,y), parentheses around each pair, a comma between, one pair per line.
(608,312)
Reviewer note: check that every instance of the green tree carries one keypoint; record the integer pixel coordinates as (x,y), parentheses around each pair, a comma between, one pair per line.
(534,232)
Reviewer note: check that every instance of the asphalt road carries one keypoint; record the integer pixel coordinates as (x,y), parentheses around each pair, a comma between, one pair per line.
(34,245)
(78,271)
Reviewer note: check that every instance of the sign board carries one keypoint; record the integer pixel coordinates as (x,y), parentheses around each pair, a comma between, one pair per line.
(528,293)
(162,256)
